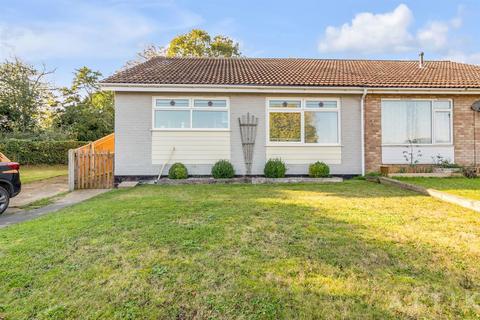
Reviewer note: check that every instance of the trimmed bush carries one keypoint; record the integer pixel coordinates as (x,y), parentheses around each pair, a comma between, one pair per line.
(275,168)
(223,169)
(178,171)
(318,170)
(38,152)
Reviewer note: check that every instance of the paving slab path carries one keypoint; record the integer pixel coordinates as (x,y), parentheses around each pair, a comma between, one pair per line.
(16,216)
(38,190)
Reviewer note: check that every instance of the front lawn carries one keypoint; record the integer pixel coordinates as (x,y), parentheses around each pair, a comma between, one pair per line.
(355,250)
(460,186)
(31,173)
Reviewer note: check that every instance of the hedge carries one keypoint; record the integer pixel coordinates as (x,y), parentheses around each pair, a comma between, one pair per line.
(38,152)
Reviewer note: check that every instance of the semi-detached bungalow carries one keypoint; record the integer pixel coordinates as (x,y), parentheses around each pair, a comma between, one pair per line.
(355,115)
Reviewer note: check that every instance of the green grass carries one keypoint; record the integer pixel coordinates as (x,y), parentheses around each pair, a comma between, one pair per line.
(355,250)
(32,173)
(460,186)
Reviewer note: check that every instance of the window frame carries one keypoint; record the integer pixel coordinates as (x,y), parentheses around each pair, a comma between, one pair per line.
(432,118)
(190,108)
(302,111)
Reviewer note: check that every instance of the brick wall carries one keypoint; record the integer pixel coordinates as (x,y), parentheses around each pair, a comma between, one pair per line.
(373,133)
(463,128)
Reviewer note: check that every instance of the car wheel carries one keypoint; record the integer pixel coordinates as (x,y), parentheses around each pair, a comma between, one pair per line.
(4,199)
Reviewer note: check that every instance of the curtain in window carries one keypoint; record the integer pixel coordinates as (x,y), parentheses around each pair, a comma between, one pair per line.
(404,121)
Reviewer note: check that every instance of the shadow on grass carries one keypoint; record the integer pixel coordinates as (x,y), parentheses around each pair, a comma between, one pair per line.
(236,251)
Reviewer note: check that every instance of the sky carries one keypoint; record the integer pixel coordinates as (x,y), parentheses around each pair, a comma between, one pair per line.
(65,35)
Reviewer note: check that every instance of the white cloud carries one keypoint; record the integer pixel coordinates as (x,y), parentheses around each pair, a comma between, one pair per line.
(371,33)
(459,56)
(389,33)
(434,36)
(102,30)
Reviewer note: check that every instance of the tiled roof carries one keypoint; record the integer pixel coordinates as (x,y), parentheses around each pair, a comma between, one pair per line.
(301,72)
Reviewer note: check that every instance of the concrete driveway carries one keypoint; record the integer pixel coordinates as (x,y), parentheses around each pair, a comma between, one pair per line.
(38,190)
(15,216)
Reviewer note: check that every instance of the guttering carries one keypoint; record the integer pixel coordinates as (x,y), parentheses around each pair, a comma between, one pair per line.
(225,88)
(135,87)
(362,128)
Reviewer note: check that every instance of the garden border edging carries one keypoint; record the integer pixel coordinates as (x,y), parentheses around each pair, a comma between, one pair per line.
(440,195)
(251,180)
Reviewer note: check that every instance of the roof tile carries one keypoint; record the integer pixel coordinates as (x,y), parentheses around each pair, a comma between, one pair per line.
(301,72)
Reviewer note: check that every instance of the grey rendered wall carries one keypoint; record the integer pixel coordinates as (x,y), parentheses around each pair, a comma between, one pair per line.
(255,104)
(133,138)
(241,105)
(351,137)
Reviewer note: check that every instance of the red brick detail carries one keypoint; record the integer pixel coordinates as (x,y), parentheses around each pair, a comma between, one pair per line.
(373,133)
(463,128)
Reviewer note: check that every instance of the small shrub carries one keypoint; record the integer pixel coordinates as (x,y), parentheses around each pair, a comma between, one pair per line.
(275,168)
(223,169)
(469,172)
(318,170)
(178,171)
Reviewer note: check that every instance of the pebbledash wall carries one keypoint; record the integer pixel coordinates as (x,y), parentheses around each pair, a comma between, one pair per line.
(141,151)
(466,130)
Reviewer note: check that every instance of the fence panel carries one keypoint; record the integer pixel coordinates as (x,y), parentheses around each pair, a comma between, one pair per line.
(89,169)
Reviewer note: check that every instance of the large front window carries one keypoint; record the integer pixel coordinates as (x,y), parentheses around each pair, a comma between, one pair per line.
(190,114)
(306,121)
(416,121)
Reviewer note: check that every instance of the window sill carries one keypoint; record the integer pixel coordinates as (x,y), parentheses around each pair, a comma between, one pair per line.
(270,144)
(190,130)
(420,145)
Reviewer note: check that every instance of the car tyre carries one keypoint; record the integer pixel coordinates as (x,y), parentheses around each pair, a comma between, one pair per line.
(4,199)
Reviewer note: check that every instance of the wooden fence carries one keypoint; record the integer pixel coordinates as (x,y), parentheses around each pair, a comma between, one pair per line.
(106,143)
(3,158)
(89,169)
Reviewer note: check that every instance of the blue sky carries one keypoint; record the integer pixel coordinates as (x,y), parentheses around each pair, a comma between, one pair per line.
(103,35)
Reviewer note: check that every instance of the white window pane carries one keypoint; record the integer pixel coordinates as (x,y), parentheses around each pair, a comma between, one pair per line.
(404,121)
(202,103)
(210,119)
(172,119)
(441,104)
(285,103)
(321,127)
(320,104)
(285,126)
(421,129)
(442,127)
(169,103)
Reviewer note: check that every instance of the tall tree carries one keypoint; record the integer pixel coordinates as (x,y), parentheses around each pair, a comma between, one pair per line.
(86,112)
(147,53)
(198,43)
(25,96)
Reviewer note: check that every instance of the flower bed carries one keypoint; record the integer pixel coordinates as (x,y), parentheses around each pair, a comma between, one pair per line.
(252,180)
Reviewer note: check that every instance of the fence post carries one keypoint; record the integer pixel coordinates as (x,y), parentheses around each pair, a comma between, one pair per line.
(71,169)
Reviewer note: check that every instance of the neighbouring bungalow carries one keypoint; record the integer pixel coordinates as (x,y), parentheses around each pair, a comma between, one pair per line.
(354,115)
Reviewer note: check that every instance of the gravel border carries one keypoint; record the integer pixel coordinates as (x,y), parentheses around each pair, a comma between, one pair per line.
(252,180)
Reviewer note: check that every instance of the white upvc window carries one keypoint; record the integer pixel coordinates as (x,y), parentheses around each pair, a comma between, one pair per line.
(422,122)
(194,114)
(303,121)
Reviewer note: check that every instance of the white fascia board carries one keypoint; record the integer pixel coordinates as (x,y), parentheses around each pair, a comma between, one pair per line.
(223,88)
(278,89)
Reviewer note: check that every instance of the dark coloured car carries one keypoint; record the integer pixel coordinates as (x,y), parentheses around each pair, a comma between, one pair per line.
(10,184)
